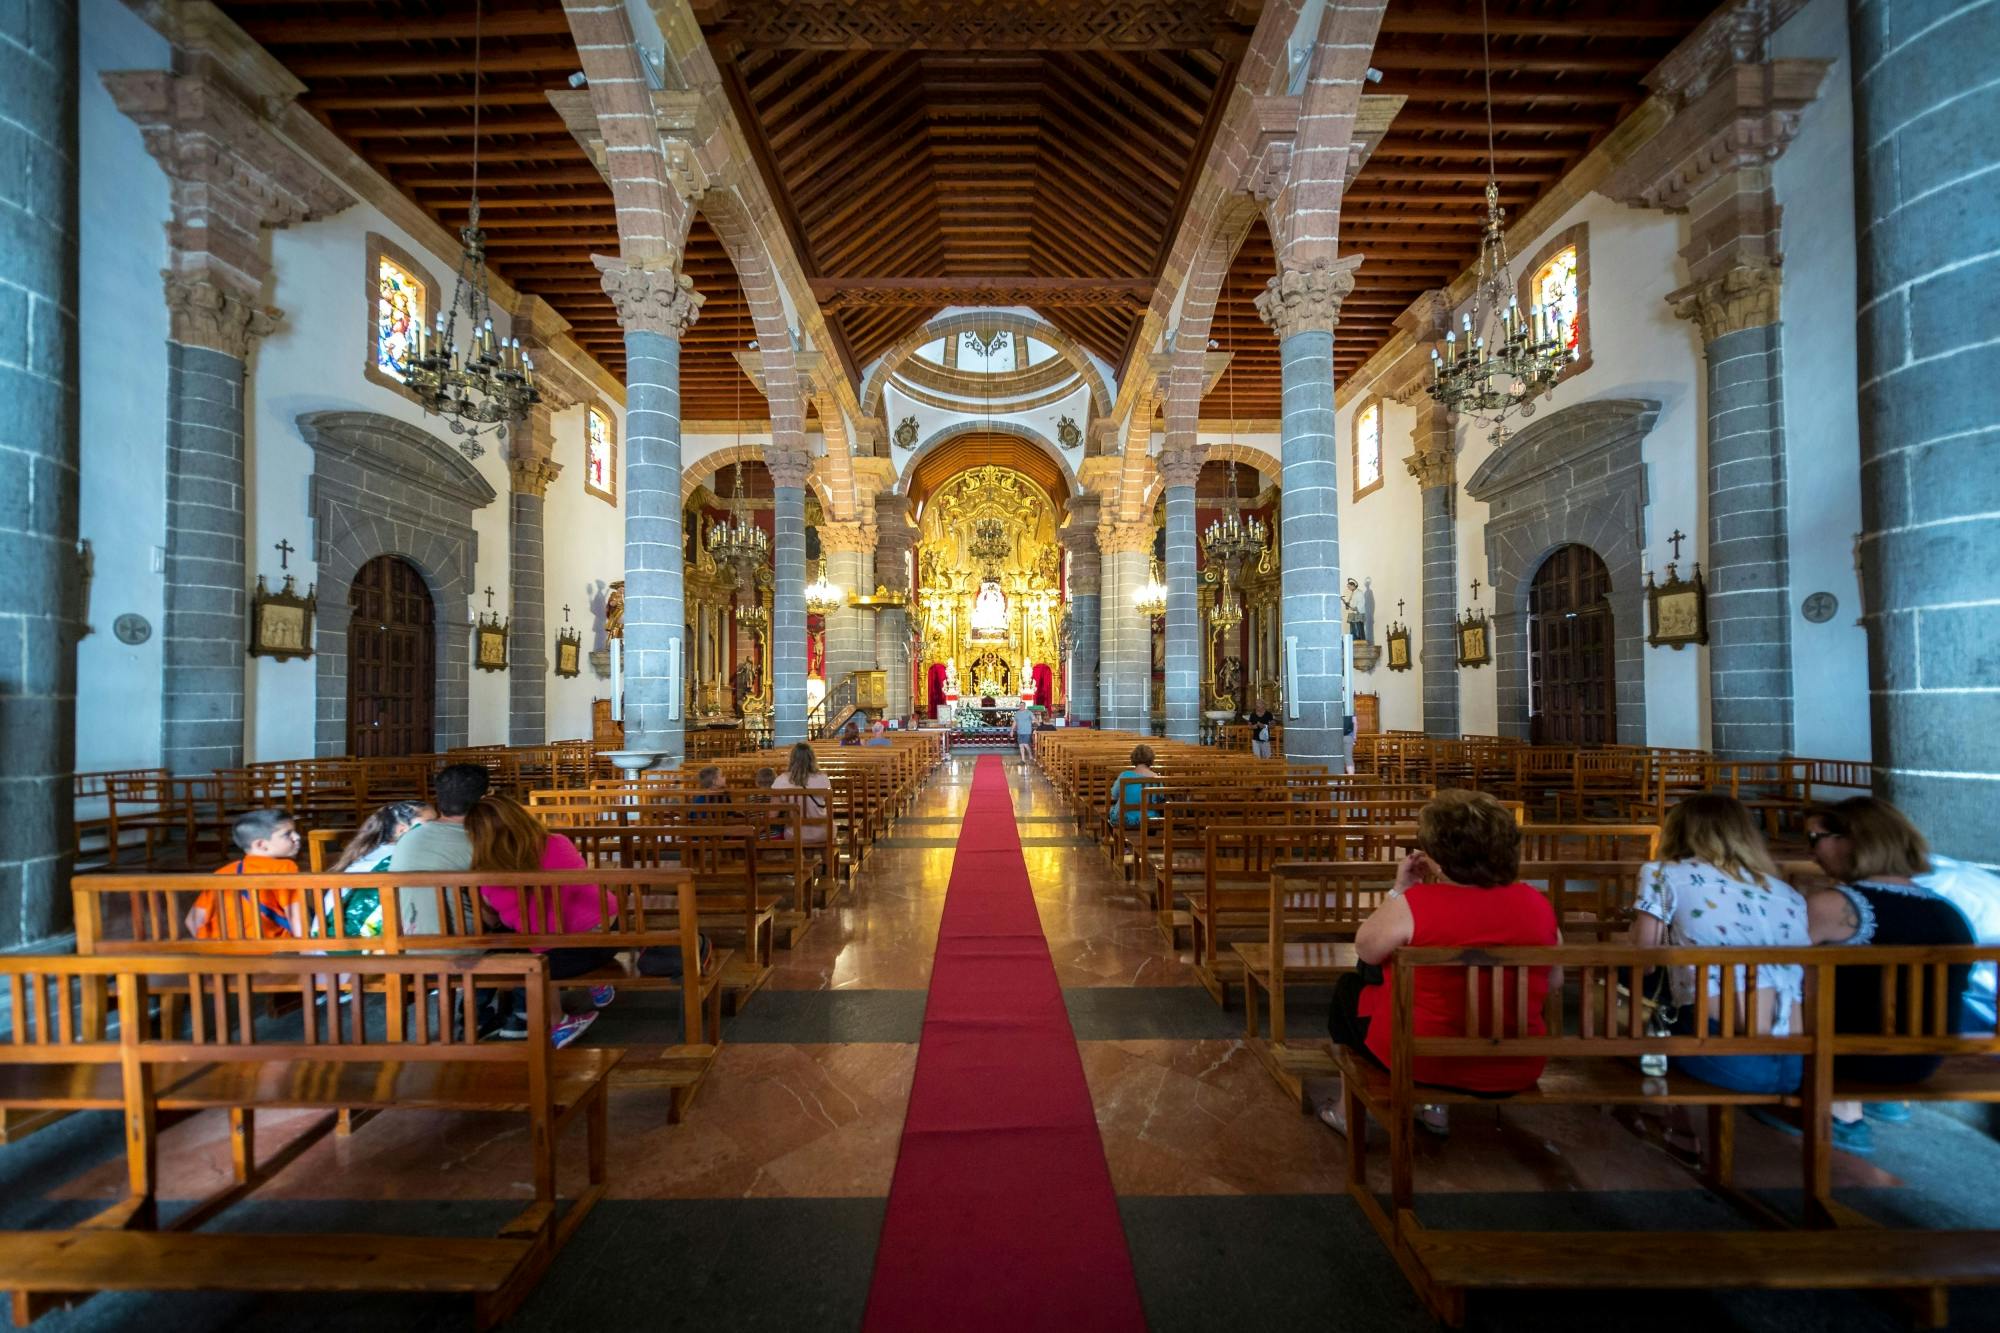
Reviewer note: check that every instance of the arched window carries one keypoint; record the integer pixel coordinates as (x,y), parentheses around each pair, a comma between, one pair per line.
(600,455)
(1557,282)
(1368,448)
(402,298)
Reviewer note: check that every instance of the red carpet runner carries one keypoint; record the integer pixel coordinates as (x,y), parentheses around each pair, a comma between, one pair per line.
(1001,1214)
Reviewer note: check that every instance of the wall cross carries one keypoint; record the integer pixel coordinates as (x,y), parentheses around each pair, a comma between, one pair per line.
(489,597)
(1399,608)
(1475,591)
(1675,541)
(565,613)
(284,549)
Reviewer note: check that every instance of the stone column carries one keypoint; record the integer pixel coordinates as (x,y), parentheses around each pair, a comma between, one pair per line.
(849,549)
(1180,468)
(1084,584)
(656,304)
(789,469)
(230,178)
(41,597)
(1734,113)
(1434,464)
(532,470)
(895,539)
(1925,154)
(1302,305)
(1126,660)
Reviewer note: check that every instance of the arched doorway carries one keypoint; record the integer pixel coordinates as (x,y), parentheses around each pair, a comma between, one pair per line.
(391,661)
(1571,698)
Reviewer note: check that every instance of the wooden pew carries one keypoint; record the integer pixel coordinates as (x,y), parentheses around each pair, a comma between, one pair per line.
(1589,1040)
(641,909)
(402,1042)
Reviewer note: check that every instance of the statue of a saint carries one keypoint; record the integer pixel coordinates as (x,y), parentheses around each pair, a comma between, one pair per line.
(989,611)
(614,611)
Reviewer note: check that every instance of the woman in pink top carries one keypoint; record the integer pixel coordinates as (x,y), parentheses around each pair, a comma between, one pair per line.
(1460,891)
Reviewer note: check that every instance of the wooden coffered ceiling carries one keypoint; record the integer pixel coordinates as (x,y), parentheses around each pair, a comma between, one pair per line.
(1017,152)
(394,79)
(1565,72)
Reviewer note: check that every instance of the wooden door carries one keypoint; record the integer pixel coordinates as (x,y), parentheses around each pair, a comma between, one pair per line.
(391,661)
(1571,695)
(1367,714)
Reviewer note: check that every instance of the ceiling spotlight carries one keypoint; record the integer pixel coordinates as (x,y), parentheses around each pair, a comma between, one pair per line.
(1374,75)
(754,346)
(579,80)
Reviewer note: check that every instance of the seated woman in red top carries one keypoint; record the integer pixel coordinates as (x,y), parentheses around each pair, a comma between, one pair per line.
(1460,891)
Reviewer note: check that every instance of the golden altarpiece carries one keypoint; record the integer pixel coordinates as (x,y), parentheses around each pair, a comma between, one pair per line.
(989,586)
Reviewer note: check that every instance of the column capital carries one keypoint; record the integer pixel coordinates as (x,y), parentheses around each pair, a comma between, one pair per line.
(652,295)
(1181,467)
(209,310)
(789,467)
(846,536)
(1433,468)
(1115,538)
(1739,298)
(1307,300)
(532,474)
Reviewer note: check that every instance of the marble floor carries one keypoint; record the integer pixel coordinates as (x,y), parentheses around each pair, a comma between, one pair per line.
(762,1209)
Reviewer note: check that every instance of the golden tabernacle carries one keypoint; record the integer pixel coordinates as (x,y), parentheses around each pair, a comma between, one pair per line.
(989,586)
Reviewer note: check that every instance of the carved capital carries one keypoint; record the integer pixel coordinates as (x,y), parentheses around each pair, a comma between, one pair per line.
(835,536)
(789,467)
(1119,538)
(1744,297)
(1432,468)
(205,312)
(1181,467)
(533,473)
(1737,117)
(652,296)
(1307,300)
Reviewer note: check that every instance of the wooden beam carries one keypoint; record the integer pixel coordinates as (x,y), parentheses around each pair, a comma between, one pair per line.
(549,150)
(455,128)
(382,65)
(1419,91)
(1537,61)
(391,99)
(367,27)
(1410,19)
(583,175)
(1504,123)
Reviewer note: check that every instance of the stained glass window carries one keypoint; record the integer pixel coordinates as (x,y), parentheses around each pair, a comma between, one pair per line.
(600,456)
(1555,292)
(1368,449)
(399,312)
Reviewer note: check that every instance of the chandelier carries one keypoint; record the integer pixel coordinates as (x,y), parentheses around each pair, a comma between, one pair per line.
(489,382)
(990,543)
(1228,611)
(1150,597)
(1232,539)
(1505,359)
(737,544)
(822,596)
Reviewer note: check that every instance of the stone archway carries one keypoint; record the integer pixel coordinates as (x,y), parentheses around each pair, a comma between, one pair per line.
(384,487)
(1574,477)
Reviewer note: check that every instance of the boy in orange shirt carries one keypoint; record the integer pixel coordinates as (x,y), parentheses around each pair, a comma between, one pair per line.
(269,841)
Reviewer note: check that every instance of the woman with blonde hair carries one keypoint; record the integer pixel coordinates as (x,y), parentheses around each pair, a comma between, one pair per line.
(802,773)
(1715,886)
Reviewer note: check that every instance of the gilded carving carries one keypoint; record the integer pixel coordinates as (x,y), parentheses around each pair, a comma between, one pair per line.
(653,296)
(1307,300)
(1744,297)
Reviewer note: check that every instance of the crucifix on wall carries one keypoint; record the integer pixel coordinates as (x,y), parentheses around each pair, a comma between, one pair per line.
(284,548)
(1675,542)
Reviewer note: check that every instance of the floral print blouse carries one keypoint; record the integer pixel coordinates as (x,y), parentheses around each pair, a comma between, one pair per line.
(1703,907)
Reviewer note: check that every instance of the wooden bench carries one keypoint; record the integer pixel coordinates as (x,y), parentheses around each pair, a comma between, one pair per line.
(640,909)
(82,1034)
(1590,1036)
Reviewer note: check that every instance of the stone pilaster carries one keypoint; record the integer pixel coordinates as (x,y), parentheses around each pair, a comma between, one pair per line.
(656,304)
(527,640)
(789,469)
(1434,463)
(895,539)
(849,549)
(1925,155)
(1125,675)
(1084,585)
(41,597)
(231,177)
(1735,111)
(1302,307)
(1181,469)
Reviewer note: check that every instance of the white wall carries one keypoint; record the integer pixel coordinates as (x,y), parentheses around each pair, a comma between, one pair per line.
(122,335)
(583,553)
(1815,185)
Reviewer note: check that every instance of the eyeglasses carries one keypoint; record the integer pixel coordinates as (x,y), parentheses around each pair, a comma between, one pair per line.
(1812,839)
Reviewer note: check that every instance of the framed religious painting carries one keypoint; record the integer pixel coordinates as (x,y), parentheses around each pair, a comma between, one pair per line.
(489,645)
(1399,647)
(281,623)
(1677,610)
(1475,640)
(569,653)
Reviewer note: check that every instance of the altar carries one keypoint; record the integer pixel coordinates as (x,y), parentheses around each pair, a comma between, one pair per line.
(989,597)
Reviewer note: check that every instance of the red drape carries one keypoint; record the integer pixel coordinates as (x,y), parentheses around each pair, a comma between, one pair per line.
(937,688)
(1044,694)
